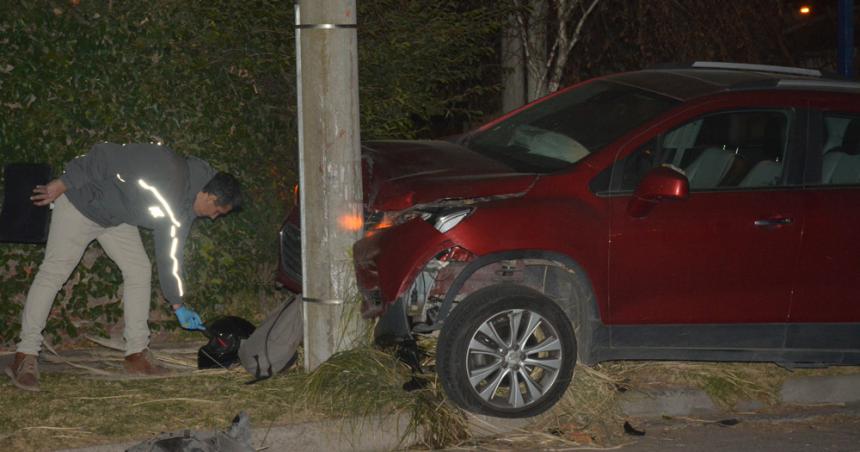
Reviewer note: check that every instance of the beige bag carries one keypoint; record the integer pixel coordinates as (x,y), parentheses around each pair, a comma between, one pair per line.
(272,347)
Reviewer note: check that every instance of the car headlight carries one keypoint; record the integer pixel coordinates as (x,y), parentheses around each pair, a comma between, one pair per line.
(446,219)
(443,219)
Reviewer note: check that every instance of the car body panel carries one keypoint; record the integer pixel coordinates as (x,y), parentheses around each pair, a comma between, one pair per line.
(692,278)
(400,174)
(703,259)
(700,265)
(828,283)
(562,225)
(829,262)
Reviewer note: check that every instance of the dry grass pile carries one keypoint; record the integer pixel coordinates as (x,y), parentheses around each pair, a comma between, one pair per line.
(366,382)
(726,383)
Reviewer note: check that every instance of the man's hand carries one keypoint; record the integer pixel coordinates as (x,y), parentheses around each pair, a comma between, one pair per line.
(46,194)
(189,319)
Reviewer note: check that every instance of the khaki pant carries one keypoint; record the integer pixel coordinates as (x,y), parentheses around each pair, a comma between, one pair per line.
(69,236)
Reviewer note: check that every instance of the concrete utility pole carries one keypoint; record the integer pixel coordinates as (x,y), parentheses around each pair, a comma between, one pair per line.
(330,173)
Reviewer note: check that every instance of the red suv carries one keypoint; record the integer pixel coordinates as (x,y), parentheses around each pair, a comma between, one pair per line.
(707,212)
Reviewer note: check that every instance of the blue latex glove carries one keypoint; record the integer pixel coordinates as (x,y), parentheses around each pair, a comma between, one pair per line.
(189,319)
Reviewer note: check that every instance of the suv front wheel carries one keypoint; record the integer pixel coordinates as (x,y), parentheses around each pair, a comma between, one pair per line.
(506,351)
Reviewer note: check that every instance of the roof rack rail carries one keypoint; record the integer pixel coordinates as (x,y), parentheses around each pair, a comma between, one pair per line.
(757,67)
(838,85)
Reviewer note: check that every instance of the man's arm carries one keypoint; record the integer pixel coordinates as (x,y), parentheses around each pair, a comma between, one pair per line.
(169,246)
(169,250)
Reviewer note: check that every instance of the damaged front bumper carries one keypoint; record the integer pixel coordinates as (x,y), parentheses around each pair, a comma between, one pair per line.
(409,263)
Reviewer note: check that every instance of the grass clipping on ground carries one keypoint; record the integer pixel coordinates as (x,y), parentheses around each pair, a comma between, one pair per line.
(80,410)
(76,410)
(362,384)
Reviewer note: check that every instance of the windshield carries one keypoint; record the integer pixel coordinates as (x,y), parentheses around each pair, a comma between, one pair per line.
(562,130)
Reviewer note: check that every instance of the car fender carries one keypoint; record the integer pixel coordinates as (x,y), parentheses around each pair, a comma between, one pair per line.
(575,227)
(579,304)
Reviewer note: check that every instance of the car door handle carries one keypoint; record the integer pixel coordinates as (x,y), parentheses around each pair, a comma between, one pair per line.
(773,222)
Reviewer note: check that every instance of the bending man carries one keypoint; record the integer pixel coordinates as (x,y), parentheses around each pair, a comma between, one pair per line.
(106,195)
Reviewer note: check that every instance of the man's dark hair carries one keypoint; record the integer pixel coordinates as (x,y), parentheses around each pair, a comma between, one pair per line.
(226,188)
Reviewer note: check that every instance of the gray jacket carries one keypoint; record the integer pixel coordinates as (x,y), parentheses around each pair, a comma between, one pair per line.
(143,185)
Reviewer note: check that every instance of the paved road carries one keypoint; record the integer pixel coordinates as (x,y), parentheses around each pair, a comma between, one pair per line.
(826,433)
(804,430)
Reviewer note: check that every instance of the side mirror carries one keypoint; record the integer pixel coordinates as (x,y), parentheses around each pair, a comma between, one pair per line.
(659,184)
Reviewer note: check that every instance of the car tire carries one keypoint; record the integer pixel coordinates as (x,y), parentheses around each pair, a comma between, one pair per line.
(483,371)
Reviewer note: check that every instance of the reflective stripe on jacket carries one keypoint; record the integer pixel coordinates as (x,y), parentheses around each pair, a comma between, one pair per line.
(143,185)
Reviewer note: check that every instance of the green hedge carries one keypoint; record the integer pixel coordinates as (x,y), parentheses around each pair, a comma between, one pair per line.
(214,79)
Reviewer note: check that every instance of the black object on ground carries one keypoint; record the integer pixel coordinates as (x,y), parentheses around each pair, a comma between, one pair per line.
(409,353)
(630,430)
(415,383)
(225,335)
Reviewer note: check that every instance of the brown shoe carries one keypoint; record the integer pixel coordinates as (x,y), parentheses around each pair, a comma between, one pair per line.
(24,372)
(143,363)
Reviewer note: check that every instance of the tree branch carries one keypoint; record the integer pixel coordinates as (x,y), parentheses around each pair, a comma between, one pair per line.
(569,42)
(523,32)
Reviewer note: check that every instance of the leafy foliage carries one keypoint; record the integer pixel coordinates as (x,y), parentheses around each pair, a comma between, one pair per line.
(630,35)
(425,60)
(214,79)
(189,75)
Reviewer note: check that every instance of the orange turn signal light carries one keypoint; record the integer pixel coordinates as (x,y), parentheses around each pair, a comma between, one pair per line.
(351,222)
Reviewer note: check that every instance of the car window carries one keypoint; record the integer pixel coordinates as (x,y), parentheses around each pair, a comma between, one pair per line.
(840,164)
(561,130)
(727,150)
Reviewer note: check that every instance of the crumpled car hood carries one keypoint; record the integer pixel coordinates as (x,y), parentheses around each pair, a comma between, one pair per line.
(400,174)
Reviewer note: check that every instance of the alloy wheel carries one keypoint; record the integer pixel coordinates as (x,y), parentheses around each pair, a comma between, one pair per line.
(513,358)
